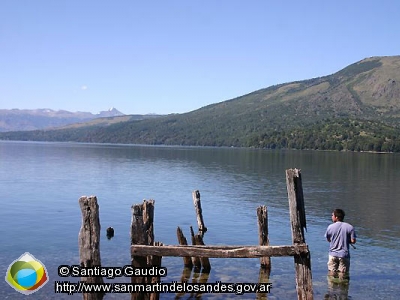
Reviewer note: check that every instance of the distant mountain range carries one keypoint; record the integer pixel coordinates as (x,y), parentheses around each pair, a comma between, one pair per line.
(26,119)
(356,109)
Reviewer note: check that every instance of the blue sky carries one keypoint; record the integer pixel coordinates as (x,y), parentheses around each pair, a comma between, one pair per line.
(177,56)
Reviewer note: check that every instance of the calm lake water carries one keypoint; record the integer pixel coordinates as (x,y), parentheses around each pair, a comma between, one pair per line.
(40,184)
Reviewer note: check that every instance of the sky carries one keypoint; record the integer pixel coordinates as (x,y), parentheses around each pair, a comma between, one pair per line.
(175,56)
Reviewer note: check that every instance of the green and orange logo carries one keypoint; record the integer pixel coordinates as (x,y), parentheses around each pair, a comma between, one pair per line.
(27,274)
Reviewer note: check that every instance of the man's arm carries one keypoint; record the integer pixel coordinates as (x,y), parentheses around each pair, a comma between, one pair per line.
(353,236)
(328,236)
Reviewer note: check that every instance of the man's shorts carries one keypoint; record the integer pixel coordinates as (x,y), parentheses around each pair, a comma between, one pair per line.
(339,264)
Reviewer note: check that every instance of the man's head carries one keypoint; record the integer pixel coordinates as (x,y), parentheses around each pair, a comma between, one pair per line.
(338,215)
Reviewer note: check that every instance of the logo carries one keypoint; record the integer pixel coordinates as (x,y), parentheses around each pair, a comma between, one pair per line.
(26,274)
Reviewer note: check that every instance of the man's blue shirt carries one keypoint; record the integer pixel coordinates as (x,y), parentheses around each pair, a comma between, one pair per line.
(340,234)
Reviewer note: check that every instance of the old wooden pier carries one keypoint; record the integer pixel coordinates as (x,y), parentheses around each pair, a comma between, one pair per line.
(146,252)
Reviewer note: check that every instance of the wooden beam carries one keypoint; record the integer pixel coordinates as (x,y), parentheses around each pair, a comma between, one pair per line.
(220,251)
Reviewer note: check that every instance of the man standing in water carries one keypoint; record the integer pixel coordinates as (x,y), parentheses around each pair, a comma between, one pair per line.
(340,235)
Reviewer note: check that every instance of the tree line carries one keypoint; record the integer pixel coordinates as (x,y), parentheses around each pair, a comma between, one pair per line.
(339,134)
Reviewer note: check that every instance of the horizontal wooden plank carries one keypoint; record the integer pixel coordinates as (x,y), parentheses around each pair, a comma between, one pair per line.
(219,251)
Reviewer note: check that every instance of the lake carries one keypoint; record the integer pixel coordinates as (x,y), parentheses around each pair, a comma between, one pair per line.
(40,184)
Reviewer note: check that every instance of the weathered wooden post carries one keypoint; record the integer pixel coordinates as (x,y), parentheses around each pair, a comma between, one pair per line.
(199,212)
(89,241)
(142,233)
(156,262)
(262,217)
(265,262)
(198,238)
(298,223)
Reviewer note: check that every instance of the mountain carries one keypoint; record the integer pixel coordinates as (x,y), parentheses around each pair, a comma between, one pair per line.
(112,112)
(16,119)
(356,108)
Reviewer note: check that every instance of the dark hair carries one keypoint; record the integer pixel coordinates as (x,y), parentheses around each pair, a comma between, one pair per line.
(339,213)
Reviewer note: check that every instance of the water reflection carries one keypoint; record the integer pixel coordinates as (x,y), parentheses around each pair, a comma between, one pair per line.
(338,288)
(200,278)
(263,278)
(222,290)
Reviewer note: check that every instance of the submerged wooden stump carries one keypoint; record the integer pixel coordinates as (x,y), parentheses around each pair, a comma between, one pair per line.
(263,240)
(205,261)
(142,233)
(262,217)
(187,260)
(89,242)
(155,261)
(195,260)
(202,262)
